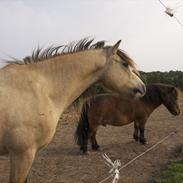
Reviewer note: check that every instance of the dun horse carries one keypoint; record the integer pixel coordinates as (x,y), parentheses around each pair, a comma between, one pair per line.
(34,93)
(112,109)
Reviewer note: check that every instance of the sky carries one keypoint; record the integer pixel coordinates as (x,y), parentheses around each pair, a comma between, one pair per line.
(150,37)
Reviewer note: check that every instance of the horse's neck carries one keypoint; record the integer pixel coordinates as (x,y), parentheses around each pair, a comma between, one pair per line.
(69,75)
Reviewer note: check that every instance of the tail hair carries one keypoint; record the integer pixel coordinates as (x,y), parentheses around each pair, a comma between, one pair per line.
(82,130)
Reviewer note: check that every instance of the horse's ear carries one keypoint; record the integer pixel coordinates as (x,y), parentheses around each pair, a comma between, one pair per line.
(173,90)
(113,50)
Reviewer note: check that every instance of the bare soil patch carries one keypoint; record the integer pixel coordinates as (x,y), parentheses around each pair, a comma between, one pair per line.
(62,162)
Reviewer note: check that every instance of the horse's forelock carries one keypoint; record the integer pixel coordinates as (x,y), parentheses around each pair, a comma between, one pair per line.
(124,56)
(178,92)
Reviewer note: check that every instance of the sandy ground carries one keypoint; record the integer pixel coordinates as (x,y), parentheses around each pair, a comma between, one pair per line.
(62,162)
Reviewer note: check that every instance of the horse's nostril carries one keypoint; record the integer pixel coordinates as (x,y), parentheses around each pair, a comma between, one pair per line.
(144,89)
(140,90)
(136,90)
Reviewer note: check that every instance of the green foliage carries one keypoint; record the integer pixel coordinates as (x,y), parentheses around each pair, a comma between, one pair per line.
(174,171)
(173,174)
(172,77)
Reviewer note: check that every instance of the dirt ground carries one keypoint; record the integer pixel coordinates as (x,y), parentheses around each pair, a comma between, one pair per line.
(61,161)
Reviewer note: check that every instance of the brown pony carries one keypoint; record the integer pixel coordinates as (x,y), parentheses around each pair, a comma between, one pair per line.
(112,109)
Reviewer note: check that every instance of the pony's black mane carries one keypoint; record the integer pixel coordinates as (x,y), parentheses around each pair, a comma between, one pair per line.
(154,92)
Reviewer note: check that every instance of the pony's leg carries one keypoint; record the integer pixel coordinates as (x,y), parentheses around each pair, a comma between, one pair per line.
(142,129)
(94,143)
(84,147)
(20,164)
(136,131)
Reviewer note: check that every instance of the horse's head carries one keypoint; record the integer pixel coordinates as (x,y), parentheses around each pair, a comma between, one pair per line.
(169,95)
(120,73)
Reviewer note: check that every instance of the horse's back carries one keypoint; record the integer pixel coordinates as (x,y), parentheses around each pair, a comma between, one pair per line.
(103,102)
(112,101)
(106,109)
(115,110)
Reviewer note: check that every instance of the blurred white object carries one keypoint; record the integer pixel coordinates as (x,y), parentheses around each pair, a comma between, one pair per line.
(114,167)
(171,12)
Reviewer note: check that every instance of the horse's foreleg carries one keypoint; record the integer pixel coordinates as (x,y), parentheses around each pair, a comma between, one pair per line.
(94,143)
(142,129)
(84,147)
(20,164)
(136,131)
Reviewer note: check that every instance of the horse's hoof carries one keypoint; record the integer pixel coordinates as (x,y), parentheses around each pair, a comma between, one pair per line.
(85,153)
(143,141)
(96,148)
(136,138)
(84,150)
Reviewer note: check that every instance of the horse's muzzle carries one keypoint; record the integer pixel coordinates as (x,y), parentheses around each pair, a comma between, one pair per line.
(140,90)
(176,111)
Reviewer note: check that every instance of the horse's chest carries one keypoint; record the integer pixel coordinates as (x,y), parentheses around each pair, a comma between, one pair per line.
(47,126)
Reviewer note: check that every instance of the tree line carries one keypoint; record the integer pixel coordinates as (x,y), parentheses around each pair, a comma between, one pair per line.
(172,77)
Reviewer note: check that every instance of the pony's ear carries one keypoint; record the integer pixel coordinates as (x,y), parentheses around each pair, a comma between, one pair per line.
(113,50)
(172,89)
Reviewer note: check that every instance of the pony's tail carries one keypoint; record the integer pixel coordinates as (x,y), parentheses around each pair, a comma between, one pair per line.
(82,130)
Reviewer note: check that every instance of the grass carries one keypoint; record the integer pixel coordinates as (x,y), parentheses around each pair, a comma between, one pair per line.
(173,173)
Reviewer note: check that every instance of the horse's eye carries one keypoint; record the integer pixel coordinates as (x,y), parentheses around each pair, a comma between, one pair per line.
(125,64)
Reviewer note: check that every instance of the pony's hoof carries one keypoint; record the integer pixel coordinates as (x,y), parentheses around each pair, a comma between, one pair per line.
(143,141)
(96,148)
(136,138)
(85,153)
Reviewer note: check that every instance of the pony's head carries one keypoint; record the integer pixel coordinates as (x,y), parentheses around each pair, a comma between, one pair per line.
(120,73)
(169,95)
